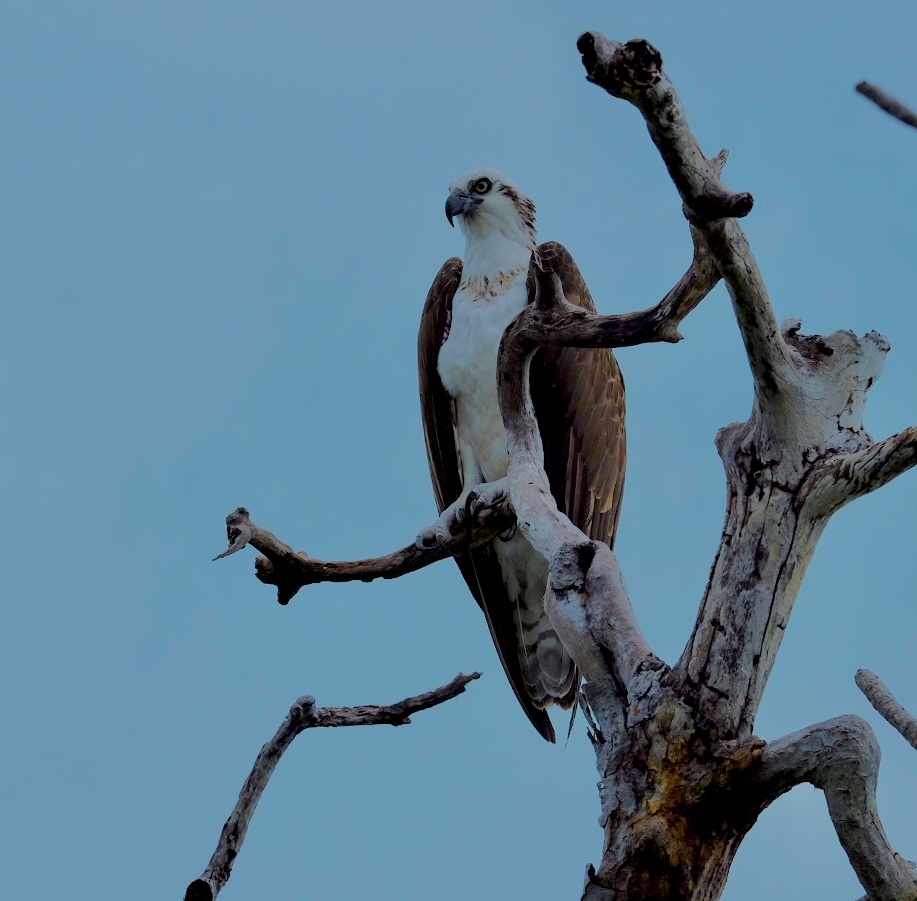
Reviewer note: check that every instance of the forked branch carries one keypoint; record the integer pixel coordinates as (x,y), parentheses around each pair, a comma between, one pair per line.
(803,453)
(841,757)
(303,715)
(804,440)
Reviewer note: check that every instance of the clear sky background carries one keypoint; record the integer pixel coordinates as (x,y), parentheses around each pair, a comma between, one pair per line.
(218,223)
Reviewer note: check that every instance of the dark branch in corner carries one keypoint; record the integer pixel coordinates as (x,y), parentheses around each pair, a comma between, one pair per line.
(888,103)
(303,715)
(290,571)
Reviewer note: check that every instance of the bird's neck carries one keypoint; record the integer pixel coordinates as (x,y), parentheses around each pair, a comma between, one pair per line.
(495,258)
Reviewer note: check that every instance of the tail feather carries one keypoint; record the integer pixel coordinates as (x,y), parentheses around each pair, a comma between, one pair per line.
(548,673)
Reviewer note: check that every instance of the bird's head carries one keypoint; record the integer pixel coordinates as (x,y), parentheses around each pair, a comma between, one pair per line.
(489,205)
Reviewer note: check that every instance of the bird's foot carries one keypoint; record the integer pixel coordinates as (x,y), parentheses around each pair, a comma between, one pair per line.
(441,532)
(462,514)
(487,496)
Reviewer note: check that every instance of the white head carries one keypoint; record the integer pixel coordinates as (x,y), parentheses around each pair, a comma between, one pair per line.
(497,219)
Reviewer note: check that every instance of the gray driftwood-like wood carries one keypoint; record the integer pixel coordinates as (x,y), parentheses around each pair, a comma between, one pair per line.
(303,715)
(887,706)
(682,776)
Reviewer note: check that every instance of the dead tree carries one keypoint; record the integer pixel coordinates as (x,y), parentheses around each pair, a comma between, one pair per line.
(682,776)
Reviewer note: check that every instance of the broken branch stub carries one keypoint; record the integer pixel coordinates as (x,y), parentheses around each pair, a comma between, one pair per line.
(887,706)
(895,108)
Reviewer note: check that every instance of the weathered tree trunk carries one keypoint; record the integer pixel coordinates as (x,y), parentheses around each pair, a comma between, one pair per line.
(682,777)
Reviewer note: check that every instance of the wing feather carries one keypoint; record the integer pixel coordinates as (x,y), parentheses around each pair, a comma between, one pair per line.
(479,567)
(580,404)
(579,400)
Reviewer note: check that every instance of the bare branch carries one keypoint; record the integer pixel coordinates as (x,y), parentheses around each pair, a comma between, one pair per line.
(844,477)
(303,715)
(633,72)
(587,602)
(884,701)
(768,356)
(290,571)
(909,866)
(809,391)
(841,757)
(888,103)
(674,747)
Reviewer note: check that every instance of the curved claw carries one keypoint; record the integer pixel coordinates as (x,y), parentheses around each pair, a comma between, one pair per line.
(482,505)
(462,514)
(492,496)
(466,513)
(437,535)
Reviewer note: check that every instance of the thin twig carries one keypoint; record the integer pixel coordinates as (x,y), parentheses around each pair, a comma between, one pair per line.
(303,715)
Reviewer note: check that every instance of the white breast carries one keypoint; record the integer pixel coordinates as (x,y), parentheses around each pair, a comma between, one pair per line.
(468,368)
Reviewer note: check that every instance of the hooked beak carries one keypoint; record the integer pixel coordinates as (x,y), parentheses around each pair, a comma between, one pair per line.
(458,204)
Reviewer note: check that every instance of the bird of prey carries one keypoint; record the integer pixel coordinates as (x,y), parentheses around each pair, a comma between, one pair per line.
(579,403)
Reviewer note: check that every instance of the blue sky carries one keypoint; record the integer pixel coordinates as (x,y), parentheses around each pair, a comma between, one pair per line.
(219,221)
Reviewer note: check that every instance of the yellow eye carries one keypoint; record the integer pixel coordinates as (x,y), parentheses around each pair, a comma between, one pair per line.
(482,186)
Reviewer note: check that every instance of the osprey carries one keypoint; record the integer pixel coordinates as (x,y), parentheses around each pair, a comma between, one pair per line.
(579,403)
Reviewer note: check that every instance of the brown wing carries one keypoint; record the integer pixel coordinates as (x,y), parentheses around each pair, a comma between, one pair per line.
(479,567)
(579,401)
(435,402)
